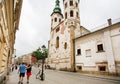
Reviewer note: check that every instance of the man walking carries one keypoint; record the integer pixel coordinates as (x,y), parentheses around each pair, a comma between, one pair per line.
(22,70)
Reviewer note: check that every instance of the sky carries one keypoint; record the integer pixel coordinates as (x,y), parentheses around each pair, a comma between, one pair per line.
(35,20)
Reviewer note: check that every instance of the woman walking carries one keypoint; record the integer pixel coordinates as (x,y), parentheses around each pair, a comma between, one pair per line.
(28,73)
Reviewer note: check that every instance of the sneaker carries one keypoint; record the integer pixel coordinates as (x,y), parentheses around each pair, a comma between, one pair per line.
(27,82)
(19,82)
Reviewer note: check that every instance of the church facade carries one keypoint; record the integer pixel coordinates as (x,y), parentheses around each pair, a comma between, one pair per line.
(69,42)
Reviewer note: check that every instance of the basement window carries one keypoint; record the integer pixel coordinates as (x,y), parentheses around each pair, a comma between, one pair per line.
(79,67)
(102,68)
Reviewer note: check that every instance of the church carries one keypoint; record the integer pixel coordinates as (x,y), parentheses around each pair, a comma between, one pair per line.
(74,48)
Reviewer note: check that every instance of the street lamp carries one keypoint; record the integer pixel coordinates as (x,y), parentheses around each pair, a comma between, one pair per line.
(43,58)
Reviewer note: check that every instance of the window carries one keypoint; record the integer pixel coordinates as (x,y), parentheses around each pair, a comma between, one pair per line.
(59,20)
(52,20)
(71,13)
(55,19)
(100,47)
(57,42)
(65,5)
(77,14)
(71,3)
(65,15)
(65,45)
(88,53)
(78,51)
(102,68)
(76,4)
(79,67)
(57,29)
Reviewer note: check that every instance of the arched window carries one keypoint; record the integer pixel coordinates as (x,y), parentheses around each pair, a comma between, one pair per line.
(59,20)
(55,19)
(65,45)
(65,15)
(66,5)
(71,13)
(57,42)
(76,4)
(51,21)
(77,15)
(71,2)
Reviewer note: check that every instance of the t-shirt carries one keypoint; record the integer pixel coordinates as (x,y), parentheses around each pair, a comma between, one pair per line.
(29,69)
(22,68)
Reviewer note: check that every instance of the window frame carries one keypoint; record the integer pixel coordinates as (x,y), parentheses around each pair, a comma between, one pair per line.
(55,19)
(65,5)
(100,68)
(71,3)
(100,48)
(71,13)
(57,42)
(78,52)
(66,15)
(90,54)
(65,45)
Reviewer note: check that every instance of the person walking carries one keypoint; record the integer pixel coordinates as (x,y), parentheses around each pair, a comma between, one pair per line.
(13,66)
(21,71)
(28,73)
(39,71)
(16,66)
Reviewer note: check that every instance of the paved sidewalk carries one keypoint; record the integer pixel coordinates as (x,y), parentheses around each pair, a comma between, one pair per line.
(102,76)
(55,77)
(14,78)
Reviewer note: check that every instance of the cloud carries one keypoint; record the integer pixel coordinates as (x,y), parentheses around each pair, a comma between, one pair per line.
(34,28)
(96,12)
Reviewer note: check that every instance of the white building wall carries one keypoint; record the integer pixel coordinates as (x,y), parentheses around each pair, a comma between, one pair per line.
(109,52)
(109,57)
(115,36)
(90,42)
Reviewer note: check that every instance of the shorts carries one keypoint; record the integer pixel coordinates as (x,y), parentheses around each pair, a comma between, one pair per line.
(28,73)
(22,75)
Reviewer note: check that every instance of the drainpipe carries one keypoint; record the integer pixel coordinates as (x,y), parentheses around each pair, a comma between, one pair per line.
(74,66)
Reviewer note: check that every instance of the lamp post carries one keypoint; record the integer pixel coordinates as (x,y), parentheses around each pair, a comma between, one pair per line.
(43,59)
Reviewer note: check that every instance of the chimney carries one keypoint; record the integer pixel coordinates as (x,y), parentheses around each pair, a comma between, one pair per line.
(109,22)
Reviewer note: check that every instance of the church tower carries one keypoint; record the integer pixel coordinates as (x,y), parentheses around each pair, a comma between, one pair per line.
(71,13)
(61,44)
(56,16)
(72,23)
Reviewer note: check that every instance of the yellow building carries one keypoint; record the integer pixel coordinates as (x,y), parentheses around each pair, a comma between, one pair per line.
(10,11)
(27,58)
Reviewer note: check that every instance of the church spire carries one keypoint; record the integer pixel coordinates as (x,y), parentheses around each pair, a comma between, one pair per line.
(57,8)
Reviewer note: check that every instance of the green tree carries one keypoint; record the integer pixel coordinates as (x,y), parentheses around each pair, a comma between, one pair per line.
(40,53)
